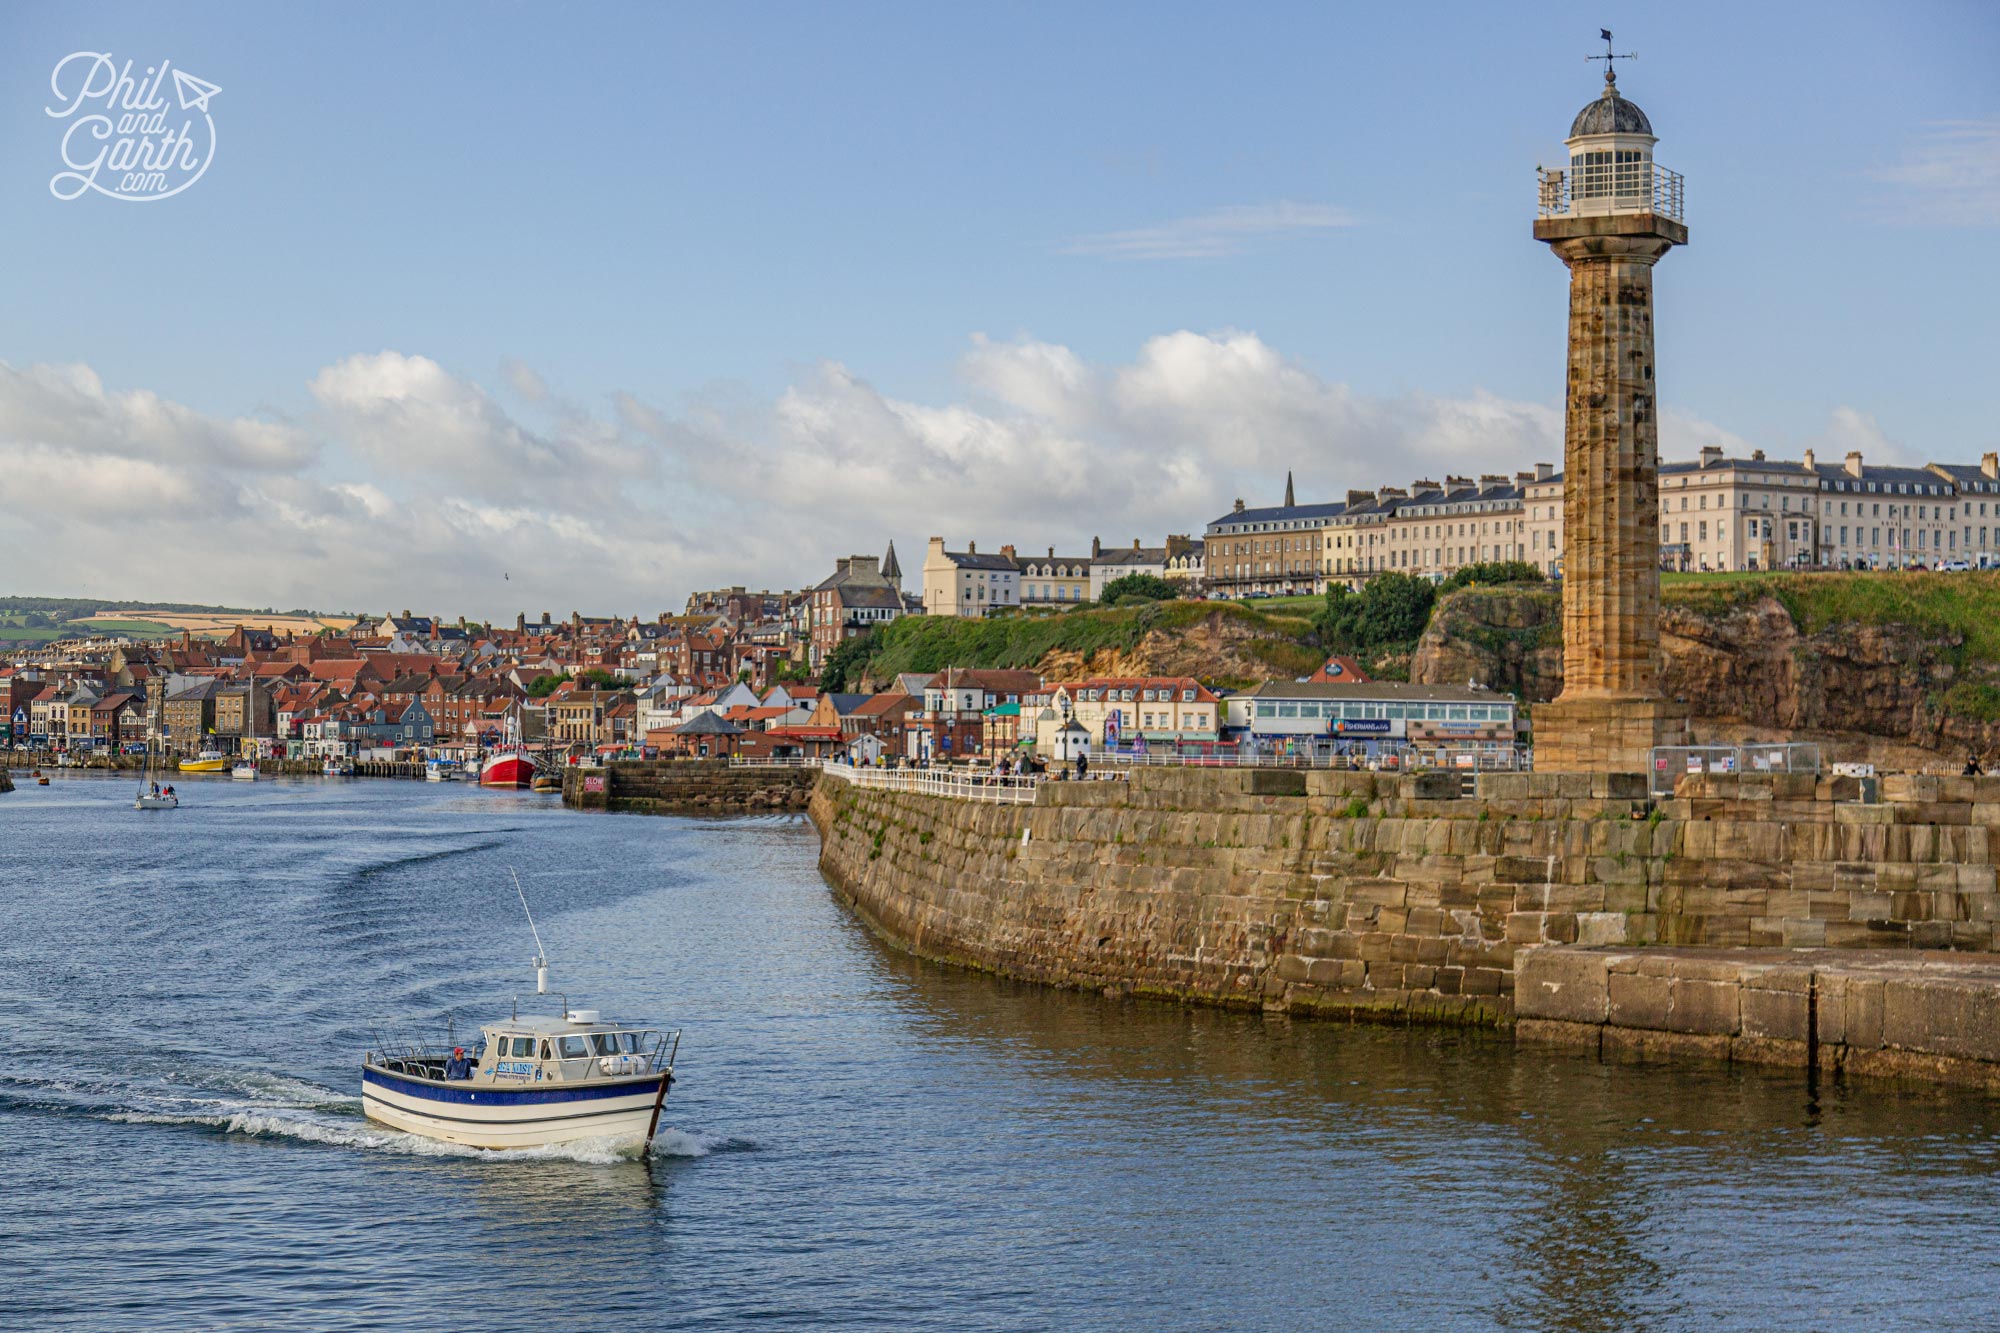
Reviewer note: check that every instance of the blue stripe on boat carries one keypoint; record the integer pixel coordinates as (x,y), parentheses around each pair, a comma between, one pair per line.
(488,1096)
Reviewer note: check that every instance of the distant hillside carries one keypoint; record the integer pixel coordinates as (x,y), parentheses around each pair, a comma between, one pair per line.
(1220,643)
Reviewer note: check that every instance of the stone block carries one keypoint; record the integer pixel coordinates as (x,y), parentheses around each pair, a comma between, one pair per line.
(1709,1008)
(1440,786)
(1942,1017)
(1779,1014)
(1564,984)
(1636,1001)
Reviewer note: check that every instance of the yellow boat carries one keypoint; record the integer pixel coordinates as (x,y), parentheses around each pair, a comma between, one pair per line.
(208,761)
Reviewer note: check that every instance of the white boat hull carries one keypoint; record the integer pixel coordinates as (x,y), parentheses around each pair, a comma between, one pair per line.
(488,1115)
(157,803)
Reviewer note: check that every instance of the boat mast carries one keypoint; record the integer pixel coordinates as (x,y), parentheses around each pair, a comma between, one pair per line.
(541,959)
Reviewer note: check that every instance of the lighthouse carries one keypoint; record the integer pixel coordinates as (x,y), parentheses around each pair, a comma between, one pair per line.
(1610,216)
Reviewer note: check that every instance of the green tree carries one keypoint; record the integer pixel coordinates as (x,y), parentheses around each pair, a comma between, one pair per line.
(1497,571)
(1139,588)
(544,686)
(844,665)
(1391,609)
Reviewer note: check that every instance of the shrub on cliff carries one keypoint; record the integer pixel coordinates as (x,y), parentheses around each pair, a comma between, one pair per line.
(1139,588)
(847,663)
(1391,609)
(1495,571)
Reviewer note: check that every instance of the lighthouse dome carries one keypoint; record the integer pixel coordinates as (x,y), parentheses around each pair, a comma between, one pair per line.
(1610,114)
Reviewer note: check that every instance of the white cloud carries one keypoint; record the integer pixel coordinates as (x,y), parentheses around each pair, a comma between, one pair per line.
(1214,234)
(1950,177)
(422,490)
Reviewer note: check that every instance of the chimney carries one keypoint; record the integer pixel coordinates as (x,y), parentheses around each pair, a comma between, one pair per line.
(1854,463)
(1812,464)
(1710,455)
(1543,471)
(1052,550)
(1491,479)
(1523,478)
(972,548)
(1453,483)
(406,613)
(1756,455)
(1007,551)
(1359,498)
(1239,506)
(1096,548)
(1135,544)
(1990,464)
(545,617)
(840,565)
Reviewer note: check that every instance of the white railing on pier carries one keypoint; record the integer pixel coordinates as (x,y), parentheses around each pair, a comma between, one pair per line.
(957,784)
(1673,762)
(790,761)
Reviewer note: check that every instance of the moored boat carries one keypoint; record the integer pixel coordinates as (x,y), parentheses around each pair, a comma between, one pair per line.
(440,770)
(208,761)
(337,768)
(507,768)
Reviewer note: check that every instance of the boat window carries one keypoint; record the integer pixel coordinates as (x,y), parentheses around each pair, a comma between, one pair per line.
(630,1041)
(574,1047)
(523,1047)
(604,1043)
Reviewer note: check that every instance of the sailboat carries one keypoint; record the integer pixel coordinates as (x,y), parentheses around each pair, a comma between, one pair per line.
(246,767)
(150,796)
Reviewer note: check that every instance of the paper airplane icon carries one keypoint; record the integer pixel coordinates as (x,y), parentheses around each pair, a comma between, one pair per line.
(194,93)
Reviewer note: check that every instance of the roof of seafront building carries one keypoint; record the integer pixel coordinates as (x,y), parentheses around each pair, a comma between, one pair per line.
(1391,690)
(1277,517)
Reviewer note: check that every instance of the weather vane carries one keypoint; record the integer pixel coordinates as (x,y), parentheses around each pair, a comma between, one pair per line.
(1610,72)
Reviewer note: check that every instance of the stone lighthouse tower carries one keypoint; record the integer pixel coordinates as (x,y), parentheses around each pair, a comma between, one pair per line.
(1610,217)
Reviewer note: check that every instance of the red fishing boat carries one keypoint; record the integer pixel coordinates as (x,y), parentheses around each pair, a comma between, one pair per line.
(507,768)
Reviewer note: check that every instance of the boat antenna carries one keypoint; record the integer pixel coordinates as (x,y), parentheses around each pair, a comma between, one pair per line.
(541,959)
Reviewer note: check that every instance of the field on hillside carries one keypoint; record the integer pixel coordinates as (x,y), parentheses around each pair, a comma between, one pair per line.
(222,623)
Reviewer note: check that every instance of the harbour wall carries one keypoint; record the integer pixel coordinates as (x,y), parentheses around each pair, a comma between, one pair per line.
(1402,898)
(687,786)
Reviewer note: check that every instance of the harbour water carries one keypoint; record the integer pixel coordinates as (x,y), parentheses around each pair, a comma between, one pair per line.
(858,1140)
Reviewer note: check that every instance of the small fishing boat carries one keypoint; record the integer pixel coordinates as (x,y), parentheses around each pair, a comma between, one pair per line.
(245,770)
(208,761)
(531,1081)
(337,768)
(440,770)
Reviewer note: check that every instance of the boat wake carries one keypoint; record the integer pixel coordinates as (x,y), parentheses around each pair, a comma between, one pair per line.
(257,1105)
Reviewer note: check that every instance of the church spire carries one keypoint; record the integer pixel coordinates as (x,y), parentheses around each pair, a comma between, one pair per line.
(892,571)
(1289,501)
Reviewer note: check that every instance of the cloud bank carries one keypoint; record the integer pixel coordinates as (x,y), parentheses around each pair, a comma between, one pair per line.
(408,484)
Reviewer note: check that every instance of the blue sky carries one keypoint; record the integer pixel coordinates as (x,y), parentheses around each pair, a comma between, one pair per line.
(674,223)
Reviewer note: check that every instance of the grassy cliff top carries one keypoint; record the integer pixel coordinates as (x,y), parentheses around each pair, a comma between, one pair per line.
(1963,605)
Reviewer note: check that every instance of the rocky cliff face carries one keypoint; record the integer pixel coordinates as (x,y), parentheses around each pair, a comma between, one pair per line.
(1746,667)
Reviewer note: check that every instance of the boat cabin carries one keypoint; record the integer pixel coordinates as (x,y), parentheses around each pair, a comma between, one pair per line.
(541,1049)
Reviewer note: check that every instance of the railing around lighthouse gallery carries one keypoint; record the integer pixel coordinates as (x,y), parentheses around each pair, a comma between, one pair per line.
(1642,187)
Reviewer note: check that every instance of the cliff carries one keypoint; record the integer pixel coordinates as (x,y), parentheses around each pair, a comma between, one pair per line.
(1860,660)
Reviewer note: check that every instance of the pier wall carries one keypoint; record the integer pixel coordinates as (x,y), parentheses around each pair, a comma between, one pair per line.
(1400,897)
(687,786)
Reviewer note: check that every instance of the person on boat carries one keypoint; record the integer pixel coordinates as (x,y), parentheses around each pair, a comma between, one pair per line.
(169,790)
(156,789)
(458,1066)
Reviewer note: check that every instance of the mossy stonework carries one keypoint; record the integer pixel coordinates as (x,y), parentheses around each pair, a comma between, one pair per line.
(1403,898)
